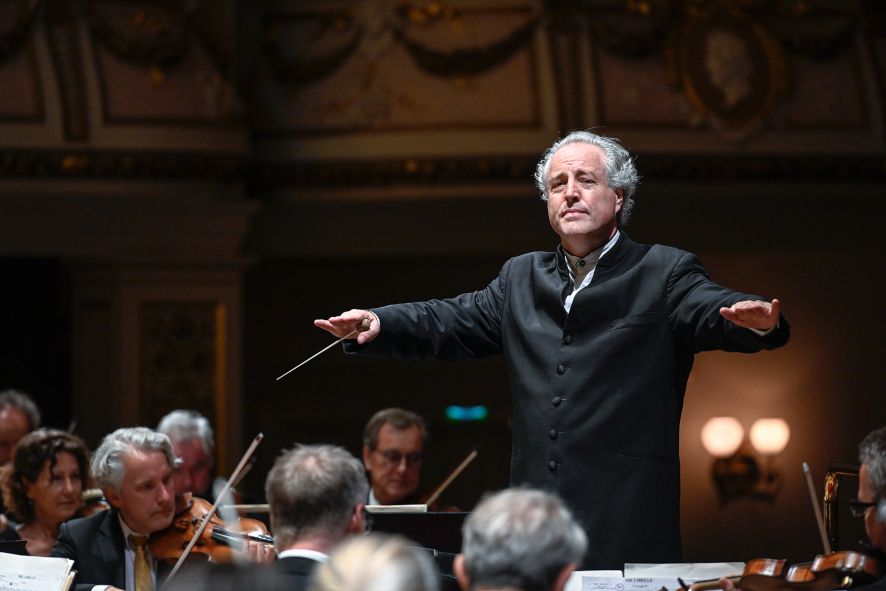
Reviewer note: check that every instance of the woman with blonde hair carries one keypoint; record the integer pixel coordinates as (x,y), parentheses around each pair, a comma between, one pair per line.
(376,562)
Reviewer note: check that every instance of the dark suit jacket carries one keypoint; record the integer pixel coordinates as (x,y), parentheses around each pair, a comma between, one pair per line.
(297,570)
(597,393)
(97,547)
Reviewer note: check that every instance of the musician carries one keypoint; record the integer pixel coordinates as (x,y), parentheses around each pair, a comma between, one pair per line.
(43,486)
(193,443)
(871,489)
(519,539)
(393,444)
(599,338)
(18,417)
(316,495)
(133,466)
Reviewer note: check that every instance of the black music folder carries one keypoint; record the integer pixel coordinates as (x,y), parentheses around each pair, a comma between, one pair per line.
(437,531)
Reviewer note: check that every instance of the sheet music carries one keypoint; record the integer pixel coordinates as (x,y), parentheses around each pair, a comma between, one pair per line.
(654,577)
(34,573)
(595,580)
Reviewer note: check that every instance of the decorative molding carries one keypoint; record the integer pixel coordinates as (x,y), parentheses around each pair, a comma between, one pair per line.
(468,61)
(565,36)
(16,36)
(817,29)
(727,57)
(764,167)
(64,43)
(168,40)
(89,164)
(732,70)
(519,169)
(182,365)
(15,163)
(159,43)
(164,46)
(374,25)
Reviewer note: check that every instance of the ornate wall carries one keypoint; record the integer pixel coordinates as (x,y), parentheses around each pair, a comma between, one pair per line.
(208,177)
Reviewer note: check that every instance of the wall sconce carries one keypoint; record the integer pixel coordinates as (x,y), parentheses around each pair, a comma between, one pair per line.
(737,472)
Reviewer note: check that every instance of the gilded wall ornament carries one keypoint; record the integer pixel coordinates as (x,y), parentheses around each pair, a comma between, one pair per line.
(731,69)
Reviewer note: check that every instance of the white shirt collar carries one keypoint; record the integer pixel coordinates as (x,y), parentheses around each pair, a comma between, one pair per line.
(592,257)
(584,276)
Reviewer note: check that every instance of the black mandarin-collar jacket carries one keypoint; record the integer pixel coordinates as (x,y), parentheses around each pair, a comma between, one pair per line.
(598,392)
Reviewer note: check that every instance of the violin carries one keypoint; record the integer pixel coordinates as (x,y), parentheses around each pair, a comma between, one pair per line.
(216,542)
(200,525)
(762,567)
(840,570)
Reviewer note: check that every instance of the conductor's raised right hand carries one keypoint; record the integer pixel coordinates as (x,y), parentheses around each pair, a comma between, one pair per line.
(363,321)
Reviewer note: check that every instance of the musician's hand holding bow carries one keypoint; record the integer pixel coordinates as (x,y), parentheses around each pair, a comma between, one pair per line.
(362,323)
(259,552)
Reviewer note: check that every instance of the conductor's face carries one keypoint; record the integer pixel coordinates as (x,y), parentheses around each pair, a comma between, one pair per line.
(146,496)
(582,207)
(394,465)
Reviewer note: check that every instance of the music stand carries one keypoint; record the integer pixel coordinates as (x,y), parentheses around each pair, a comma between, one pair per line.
(439,531)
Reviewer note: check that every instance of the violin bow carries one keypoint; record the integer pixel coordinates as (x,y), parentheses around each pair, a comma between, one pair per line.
(219,497)
(458,470)
(818,519)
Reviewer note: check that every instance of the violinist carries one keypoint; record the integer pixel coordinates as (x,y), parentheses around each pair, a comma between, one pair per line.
(316,495)
(871,488)
(393,447)
(193,443)
(133,467)
(42,486)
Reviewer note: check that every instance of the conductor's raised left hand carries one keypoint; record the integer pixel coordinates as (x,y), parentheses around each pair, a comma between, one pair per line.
(755,314)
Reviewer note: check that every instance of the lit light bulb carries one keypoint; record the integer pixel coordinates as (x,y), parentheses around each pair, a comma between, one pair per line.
(722,436)
(770,436)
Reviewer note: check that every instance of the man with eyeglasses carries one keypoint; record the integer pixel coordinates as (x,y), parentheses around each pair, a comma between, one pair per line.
(871,493)
(393,443)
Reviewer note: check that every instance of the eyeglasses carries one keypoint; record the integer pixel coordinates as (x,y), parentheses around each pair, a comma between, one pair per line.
(857,508)
(394,457)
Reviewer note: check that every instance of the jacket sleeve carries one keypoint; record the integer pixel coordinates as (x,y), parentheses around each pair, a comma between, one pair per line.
(694,302)
(66,548)
(64,545)
(467,326)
